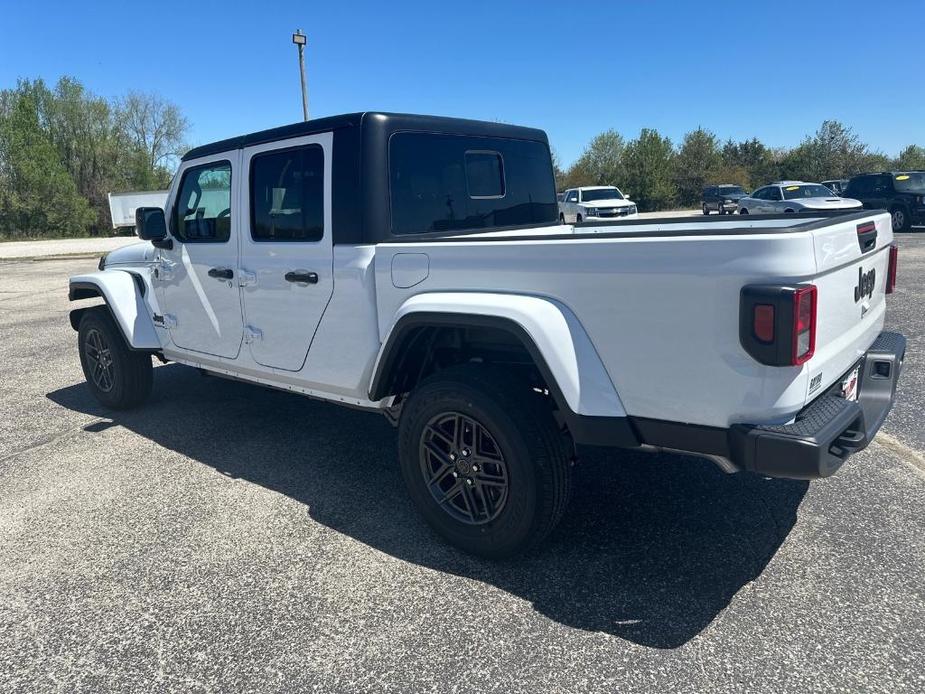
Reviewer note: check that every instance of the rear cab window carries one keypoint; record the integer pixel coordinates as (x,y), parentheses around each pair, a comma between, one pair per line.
(441,182)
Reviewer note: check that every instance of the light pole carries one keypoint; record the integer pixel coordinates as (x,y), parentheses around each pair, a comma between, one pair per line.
(300,39)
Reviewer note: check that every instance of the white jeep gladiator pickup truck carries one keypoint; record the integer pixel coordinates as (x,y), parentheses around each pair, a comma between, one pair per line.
(416,266)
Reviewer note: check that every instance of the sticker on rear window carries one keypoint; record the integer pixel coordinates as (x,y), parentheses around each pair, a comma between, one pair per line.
(903,177)
(792,188)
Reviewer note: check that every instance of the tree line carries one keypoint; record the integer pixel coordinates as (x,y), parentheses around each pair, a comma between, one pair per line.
(658,175)
(62,149)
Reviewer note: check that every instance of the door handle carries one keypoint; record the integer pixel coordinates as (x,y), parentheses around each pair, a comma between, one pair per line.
(221,273)
(302,277)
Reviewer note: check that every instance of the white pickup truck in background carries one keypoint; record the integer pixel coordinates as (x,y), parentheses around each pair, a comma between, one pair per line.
(595,204)
(417,266)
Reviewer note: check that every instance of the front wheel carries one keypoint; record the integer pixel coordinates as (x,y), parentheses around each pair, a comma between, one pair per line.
(561,219)
(578,219)
(119,377)
(483,460)
(743,211)
(706,210)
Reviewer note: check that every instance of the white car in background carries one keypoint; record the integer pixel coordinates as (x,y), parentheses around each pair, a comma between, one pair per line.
(595,204)
(794,196)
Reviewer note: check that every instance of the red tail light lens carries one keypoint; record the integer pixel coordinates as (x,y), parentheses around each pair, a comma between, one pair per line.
(804,325)
(891,272)
(763,322)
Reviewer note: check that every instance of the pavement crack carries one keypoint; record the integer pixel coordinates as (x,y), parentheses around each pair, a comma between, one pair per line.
(54,438)
(909,456)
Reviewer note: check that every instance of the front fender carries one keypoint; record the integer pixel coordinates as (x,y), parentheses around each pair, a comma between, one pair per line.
(549,329)
(125,300)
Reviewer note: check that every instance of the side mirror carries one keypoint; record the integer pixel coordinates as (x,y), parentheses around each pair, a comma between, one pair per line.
(151,225)
(626,195)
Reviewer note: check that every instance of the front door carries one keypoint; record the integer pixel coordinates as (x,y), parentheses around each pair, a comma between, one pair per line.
(287,254)
(196,280)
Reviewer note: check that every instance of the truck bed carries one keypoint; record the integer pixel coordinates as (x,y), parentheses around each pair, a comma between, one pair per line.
(659,300)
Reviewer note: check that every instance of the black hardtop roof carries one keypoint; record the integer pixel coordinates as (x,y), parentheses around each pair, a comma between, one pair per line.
(388,121)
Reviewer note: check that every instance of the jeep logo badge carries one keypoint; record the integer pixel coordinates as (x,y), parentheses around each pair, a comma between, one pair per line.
(866,281)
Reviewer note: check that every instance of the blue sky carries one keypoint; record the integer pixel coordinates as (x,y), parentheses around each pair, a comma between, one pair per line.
(770,70)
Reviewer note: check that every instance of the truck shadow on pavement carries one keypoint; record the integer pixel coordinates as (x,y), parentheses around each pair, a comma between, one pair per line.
(652,548)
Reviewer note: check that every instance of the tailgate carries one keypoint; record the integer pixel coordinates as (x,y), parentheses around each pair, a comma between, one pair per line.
(852,259)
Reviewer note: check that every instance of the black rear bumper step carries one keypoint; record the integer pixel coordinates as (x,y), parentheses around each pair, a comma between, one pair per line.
(829,429)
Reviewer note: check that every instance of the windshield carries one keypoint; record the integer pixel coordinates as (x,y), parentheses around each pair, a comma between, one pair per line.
(731,190)
(910,182)
(601,194)
(813,190)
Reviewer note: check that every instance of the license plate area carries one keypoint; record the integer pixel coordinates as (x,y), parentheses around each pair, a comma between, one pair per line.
(849,384)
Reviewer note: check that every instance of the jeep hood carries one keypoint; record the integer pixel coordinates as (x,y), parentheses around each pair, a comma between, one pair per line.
(134,254)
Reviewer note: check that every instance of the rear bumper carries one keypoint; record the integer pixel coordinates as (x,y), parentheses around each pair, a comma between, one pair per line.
(829,429)
(819,440)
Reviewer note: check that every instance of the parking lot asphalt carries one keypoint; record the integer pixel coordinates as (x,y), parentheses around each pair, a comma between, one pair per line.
(232,538)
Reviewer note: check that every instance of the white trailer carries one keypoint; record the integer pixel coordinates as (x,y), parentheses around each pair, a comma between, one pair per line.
(122,206)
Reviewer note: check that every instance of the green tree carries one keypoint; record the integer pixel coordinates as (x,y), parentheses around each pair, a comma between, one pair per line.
(759,163)
(912,158)
(601,163)
(649,161)
(835,151)
(38,196)
(698,163)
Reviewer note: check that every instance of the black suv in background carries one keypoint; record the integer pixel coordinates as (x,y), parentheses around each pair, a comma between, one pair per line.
(900,192)
(722,198)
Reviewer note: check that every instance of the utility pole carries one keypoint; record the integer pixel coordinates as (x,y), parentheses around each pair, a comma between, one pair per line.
(300,39)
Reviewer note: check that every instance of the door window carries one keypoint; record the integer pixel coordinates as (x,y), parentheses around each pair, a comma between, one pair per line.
(773,193)
(572,196)
(202,213)
(759,194)
(287,195)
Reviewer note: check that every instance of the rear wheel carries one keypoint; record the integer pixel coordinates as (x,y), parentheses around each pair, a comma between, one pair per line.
(483,460)
(561,218)
(118,377)
(900,219)
(706,209)
(743,211)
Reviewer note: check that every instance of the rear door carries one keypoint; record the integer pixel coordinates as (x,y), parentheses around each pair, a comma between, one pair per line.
(571,206)
(286,250)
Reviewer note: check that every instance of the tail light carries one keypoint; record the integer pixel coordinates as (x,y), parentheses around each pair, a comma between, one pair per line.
(777,325)
(804,325)
(891,272)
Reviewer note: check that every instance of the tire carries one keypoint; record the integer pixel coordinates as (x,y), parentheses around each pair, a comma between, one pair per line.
(578,219)
(517,428)
(743,211)
(561,218)
(118,377)
(789,212)
(900,219)
(706,209)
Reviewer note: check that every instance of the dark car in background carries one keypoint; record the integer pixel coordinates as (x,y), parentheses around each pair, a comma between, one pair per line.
(722,198)
(902,193)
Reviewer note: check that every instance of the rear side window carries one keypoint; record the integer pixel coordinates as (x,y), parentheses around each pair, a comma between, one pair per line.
(455,183)
(485,174)
(287,195)
(203,210)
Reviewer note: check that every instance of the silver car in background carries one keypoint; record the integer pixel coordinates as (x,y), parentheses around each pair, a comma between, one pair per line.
(794,196)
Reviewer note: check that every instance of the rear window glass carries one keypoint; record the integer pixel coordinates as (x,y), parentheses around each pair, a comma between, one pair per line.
(287,195)
(457,183)
(485,174)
